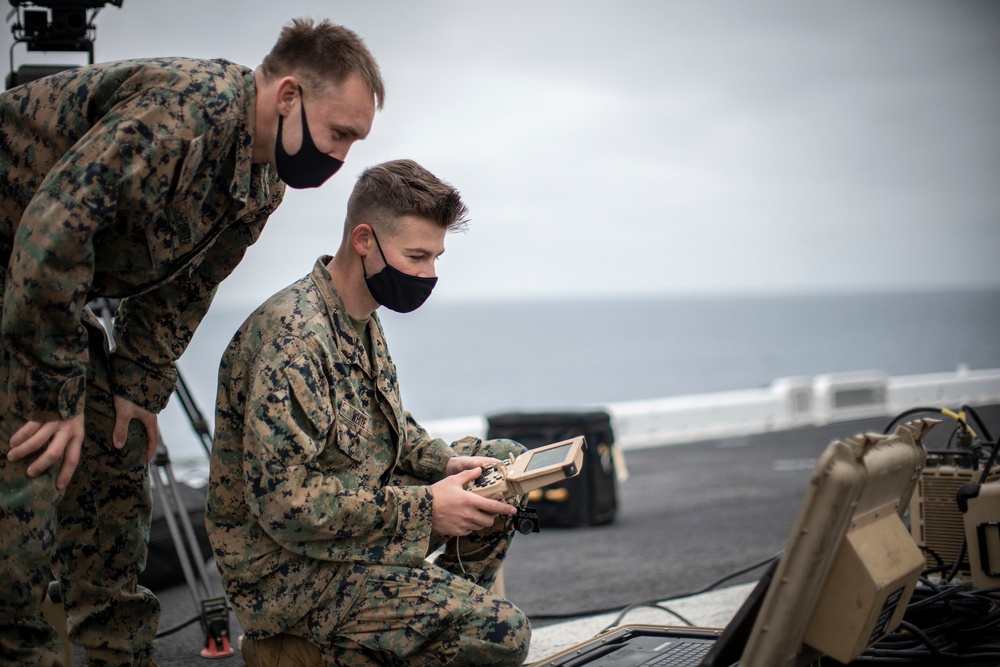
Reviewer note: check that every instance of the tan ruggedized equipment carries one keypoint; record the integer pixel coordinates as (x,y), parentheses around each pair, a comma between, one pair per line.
(849,558)
(936,520)
(843,582)
(511,479)
(982,531)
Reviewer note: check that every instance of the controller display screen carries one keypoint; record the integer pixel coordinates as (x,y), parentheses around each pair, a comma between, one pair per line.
(548,457)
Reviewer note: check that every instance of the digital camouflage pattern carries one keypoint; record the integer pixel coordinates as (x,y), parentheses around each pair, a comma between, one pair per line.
(94,535)
(130,180)
(319,504)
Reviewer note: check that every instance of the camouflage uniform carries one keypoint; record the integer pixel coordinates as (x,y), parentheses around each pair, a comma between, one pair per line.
(131,180)
(319,505)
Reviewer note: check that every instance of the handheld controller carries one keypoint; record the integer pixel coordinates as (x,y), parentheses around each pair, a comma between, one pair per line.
(509,480)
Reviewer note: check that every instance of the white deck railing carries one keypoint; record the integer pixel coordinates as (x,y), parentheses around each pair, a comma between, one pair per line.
(786,403)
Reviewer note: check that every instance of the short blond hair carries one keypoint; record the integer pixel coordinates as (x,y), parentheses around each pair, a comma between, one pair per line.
(322,53)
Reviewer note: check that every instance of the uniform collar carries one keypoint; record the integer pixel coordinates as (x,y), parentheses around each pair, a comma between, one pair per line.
(348,342)
(250,181)
(379,368)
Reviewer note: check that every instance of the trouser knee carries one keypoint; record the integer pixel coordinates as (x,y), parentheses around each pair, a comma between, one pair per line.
(281,651)
(519,637)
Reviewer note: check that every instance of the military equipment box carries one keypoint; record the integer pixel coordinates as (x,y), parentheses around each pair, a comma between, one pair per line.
(591,497)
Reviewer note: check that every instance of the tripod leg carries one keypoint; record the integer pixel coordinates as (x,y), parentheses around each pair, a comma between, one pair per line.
(185,524)
(171,513)
(214,611)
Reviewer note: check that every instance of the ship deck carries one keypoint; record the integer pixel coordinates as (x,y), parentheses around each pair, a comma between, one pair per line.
(688,516)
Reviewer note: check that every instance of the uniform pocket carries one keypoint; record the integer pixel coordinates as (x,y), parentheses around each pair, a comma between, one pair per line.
(409,612)
(173,235)
(353,431)
(178,231)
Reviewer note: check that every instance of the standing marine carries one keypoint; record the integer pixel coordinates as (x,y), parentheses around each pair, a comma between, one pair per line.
(145,181)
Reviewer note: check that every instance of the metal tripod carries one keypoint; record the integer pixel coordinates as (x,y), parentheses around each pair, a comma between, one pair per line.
(213,610)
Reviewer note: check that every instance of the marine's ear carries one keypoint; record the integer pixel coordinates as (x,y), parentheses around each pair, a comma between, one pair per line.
(287,93)
(362,239)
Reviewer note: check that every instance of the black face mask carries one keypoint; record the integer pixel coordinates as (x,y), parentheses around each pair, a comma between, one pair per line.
(396,290)
(309,167)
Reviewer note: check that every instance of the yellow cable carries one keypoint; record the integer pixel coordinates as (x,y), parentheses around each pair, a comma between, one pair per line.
(960,418)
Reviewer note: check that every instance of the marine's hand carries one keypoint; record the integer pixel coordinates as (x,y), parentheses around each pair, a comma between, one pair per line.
(457,464)
(460,512)
(62,440)
(125,412)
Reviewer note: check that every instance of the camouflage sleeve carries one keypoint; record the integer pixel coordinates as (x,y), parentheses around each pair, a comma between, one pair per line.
(312,501)
(52,265)
(423,457)
(152,330)
(50,272)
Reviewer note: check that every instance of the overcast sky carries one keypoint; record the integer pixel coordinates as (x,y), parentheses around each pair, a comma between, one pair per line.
(638,148)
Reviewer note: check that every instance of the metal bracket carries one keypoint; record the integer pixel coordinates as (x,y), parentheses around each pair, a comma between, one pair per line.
(984,552)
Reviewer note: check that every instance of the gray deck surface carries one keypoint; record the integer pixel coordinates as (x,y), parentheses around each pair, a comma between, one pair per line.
(688,515)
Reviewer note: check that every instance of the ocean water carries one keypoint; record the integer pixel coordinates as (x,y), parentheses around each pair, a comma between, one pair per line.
(460,359)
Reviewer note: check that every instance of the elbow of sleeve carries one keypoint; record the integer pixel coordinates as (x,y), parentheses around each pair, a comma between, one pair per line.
(147,387)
